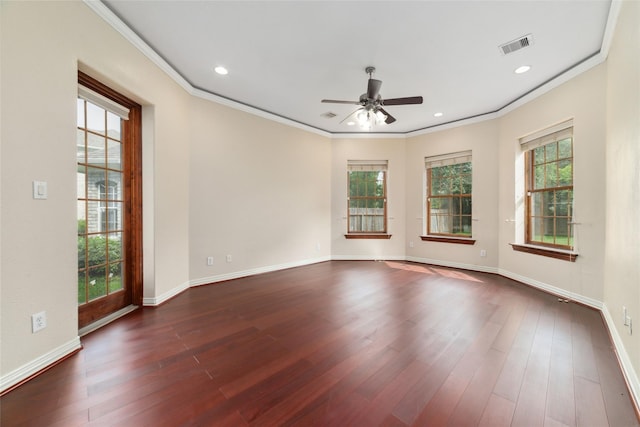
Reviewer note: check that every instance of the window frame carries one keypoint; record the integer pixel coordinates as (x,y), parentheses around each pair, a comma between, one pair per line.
(530,191)
(435,162)
(381,167)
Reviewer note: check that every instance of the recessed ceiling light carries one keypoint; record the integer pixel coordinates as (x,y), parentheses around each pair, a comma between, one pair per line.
(522,69)
(438,115)
(351,123)
(221,70)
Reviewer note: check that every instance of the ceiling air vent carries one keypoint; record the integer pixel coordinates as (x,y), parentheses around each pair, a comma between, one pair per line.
(517,44)
(328,115)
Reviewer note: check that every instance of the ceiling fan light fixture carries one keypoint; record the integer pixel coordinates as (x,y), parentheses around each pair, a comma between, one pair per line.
(362,117)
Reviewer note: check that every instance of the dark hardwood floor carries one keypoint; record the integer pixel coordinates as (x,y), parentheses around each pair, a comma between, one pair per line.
(341,343)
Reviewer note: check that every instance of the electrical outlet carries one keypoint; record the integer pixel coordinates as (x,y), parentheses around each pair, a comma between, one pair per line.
(38,321)
(483,252)
(411,244)
(209,260)
(229,258)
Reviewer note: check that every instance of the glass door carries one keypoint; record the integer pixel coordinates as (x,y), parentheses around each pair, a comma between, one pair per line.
(105,231)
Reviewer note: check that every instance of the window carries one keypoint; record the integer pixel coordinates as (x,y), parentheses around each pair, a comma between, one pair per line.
(449,195)
(367,198)
(549,188)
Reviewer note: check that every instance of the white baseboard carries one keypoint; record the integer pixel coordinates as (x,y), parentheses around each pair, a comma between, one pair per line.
(628,371)
(472,267)
(368,258)
(25,371)
(254,271)
(153,301)
(572,296)
(106,320)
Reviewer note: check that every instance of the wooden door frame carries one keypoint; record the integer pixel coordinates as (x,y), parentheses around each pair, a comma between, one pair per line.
(132,154)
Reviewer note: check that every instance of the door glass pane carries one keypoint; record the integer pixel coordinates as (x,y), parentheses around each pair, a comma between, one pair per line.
(115,247)
(82,253)
(97,283)
(81,176)
(96,150)
(94,218)
(114,155)
(95,118)
(97,251)
(114,185)
(115,277)
(113,126)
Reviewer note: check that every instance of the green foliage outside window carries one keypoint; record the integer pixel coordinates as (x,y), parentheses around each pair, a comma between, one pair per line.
(550,190)
(449,200)
(367,202)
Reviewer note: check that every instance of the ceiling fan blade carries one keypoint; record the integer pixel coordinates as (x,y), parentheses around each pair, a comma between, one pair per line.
(402,101)
(336,101)
(373,88)
(390,119)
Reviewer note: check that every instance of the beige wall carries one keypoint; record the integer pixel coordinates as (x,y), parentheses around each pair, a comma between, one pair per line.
(622,254)
(258,192)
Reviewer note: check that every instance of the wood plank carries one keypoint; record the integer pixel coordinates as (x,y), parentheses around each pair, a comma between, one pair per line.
(531,404)
(590,409)
(498,412)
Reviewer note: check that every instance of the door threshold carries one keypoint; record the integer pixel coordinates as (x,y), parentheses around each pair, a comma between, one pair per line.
(106,320)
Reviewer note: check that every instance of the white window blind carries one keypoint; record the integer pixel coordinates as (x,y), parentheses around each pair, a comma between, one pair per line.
(103,102)
(447,159)
(367,165)
(555,133)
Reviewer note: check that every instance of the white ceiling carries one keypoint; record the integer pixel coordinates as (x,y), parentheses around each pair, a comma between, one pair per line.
(284,57)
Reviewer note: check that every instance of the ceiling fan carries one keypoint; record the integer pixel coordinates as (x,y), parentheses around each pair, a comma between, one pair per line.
(371,104)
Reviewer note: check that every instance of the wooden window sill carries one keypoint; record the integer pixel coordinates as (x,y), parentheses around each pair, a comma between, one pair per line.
(367,236)
(445,239)
(551,253)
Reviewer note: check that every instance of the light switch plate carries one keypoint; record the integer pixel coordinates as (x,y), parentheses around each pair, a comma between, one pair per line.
(40,189)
